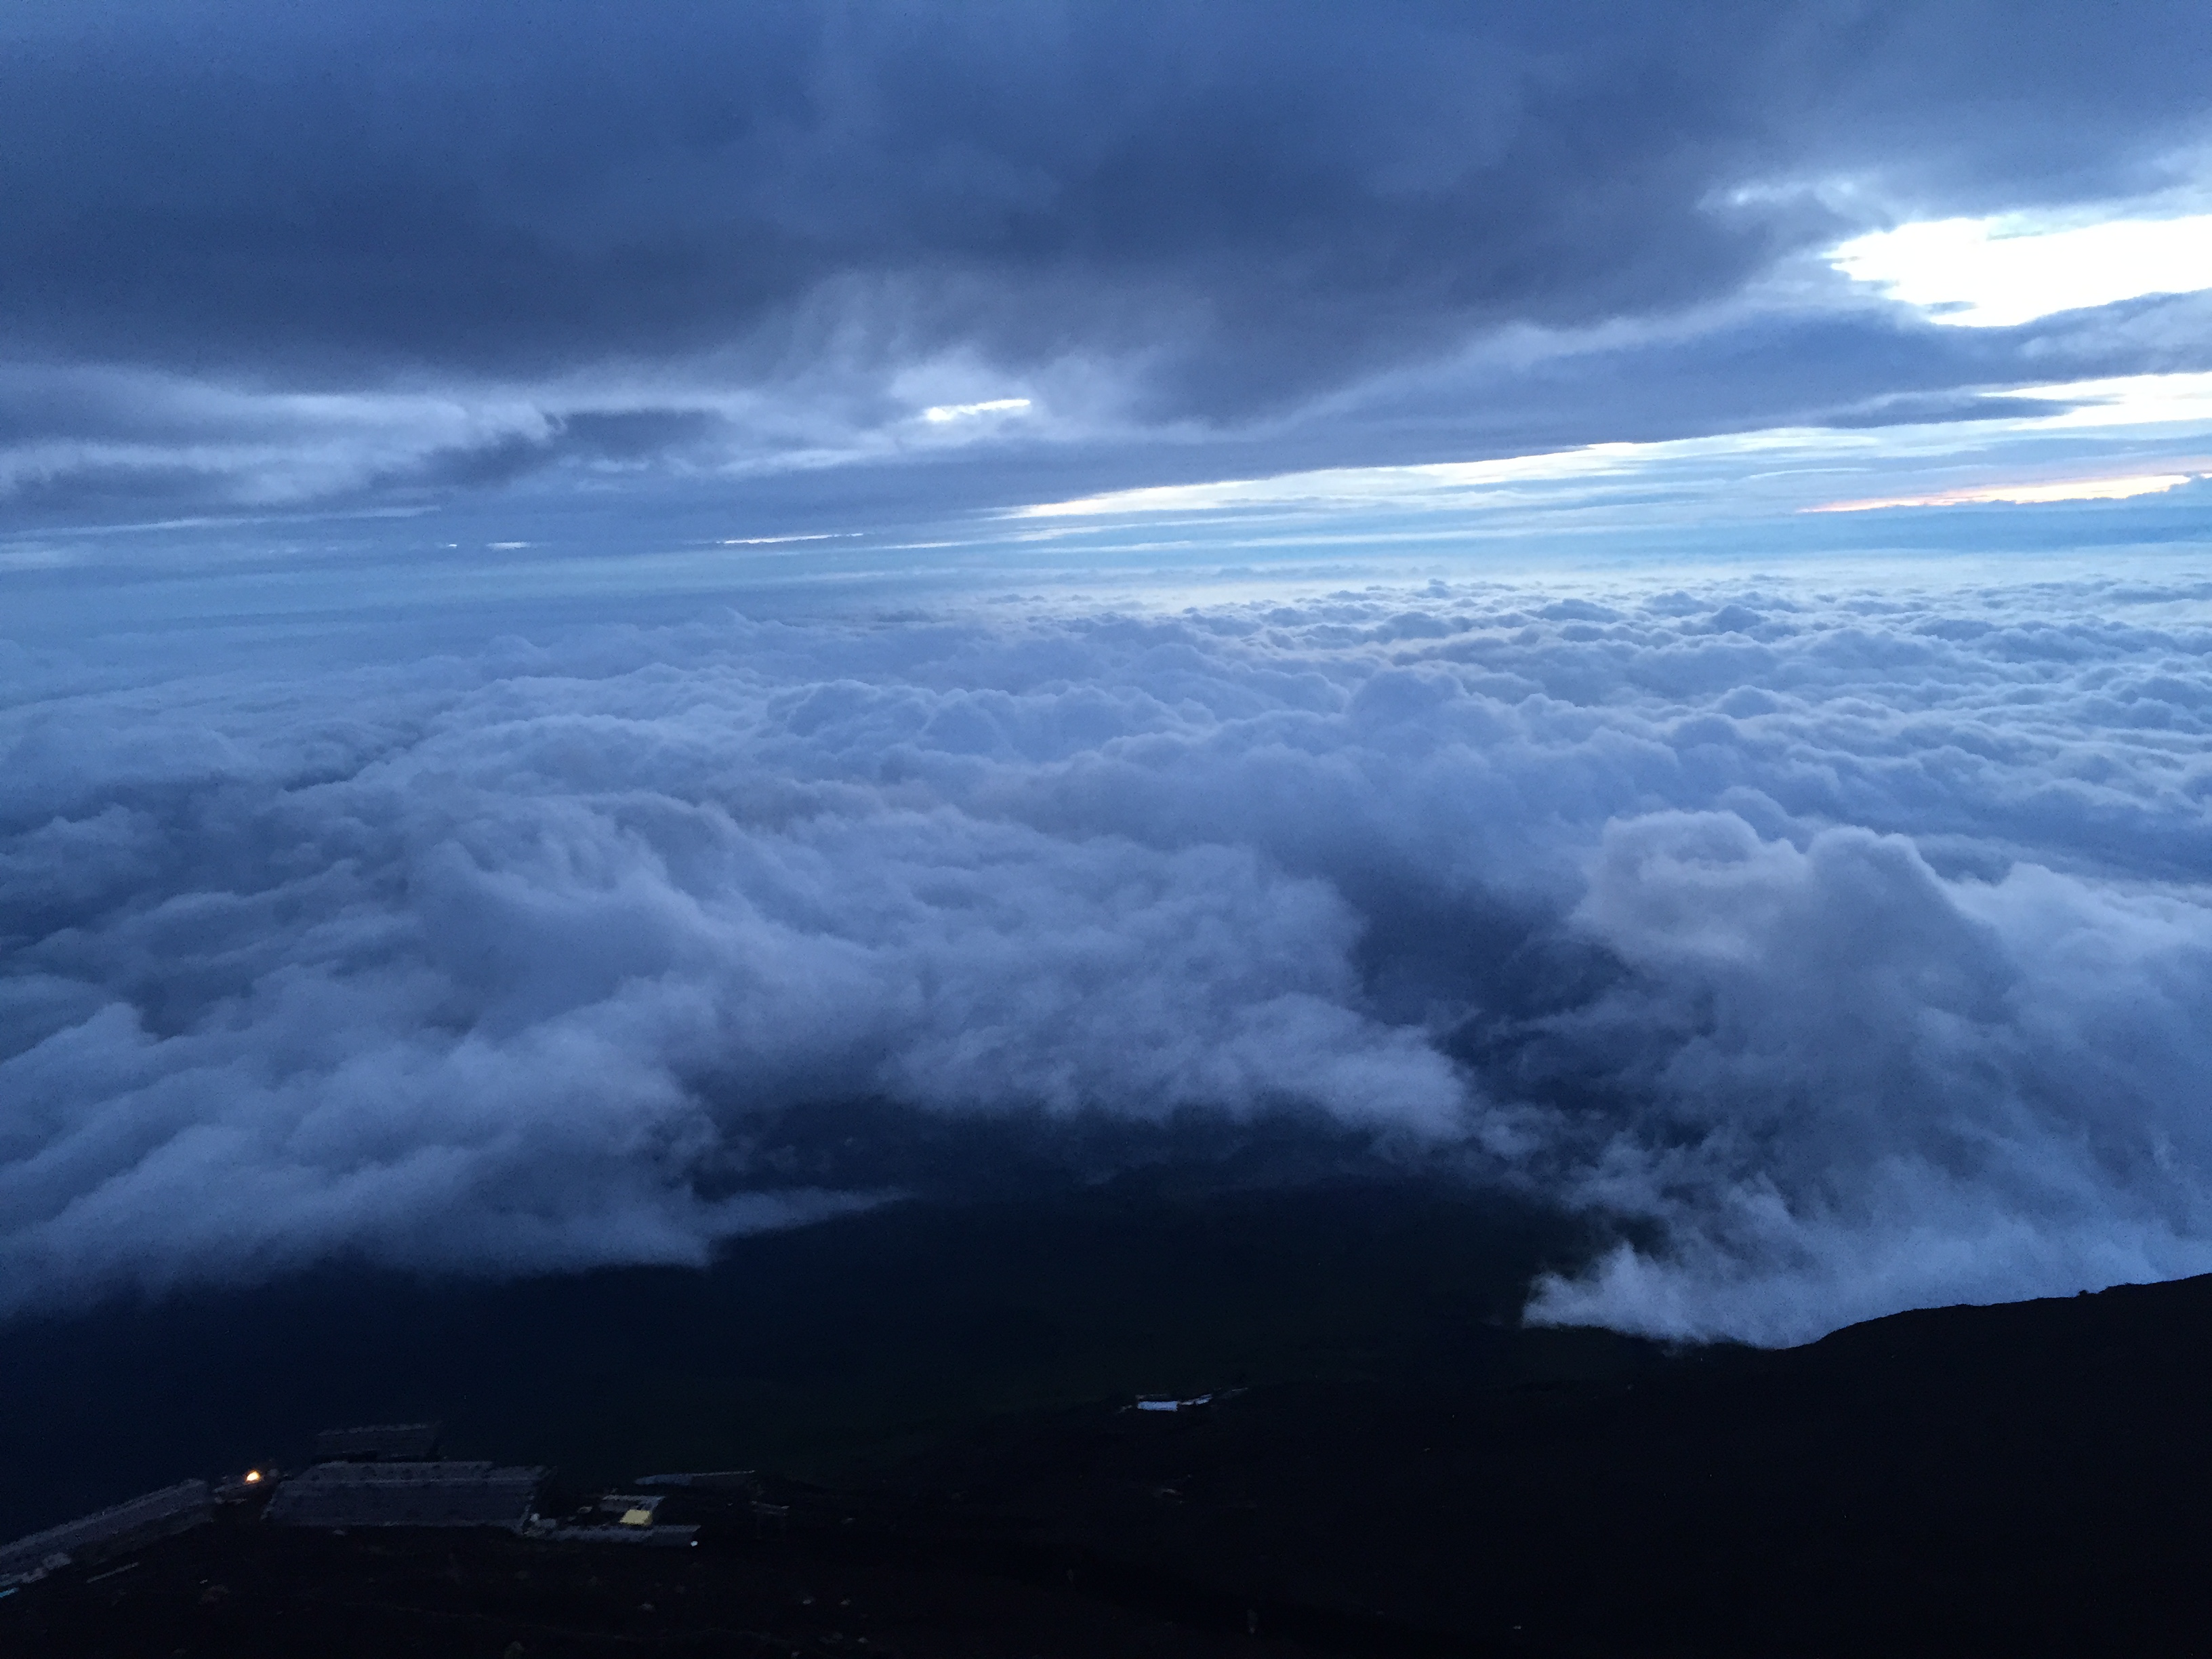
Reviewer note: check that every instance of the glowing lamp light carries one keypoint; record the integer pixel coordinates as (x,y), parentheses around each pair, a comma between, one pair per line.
(252,1476)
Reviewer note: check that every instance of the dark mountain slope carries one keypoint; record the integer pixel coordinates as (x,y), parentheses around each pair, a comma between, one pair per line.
(1403,1471)
(2029,1479)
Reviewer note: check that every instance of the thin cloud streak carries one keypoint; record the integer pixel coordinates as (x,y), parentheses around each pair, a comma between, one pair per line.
(2058,489)
(1773,457)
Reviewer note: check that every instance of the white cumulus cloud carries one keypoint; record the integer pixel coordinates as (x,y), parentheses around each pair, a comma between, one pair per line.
(1843,948)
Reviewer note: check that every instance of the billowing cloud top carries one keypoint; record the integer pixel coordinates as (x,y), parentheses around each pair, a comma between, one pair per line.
(261,254)
(1853,944)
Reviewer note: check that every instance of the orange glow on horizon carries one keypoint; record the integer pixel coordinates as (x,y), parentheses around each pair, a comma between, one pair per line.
(2066,489)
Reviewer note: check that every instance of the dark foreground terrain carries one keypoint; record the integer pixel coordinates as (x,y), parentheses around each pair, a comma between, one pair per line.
(237,1589)
(2026,1479)
(2030,1479)
(806,1352)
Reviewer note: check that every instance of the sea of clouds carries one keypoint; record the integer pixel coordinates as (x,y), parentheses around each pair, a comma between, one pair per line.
(1844,944)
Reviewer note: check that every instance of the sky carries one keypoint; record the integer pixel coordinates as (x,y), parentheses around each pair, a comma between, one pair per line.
(1608,601)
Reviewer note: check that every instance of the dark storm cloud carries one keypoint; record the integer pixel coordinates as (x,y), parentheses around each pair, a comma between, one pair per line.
(585,435)
(260,257)
(1257,201)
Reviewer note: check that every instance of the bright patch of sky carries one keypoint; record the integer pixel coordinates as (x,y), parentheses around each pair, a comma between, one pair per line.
(2101,448)
(2116,464)
(1359,485)
(1992,273)
(2128,400)
(939,414)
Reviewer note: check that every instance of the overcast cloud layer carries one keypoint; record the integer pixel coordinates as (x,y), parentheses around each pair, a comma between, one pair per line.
(267,255)
(1848,949)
